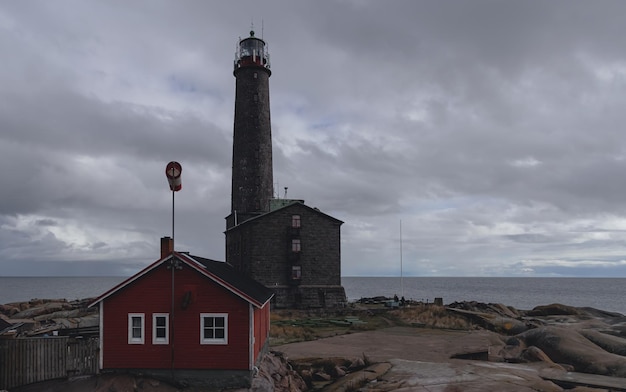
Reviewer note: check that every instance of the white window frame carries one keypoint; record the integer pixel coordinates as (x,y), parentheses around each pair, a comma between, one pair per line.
(214,341)
(141,339)
(155,339)
(296,245)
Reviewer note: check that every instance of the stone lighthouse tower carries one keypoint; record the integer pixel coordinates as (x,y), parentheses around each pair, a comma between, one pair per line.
(284,244)
(252,179)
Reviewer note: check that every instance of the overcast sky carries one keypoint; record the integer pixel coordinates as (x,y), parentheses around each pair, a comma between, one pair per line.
(490,132)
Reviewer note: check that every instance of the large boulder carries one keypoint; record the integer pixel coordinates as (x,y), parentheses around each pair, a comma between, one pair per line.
(275,374)
(553,310)
(493,308)
(568,346)
(9,309)
(610,343)
(493,321)
(535,354)
(58,314)
(41,309)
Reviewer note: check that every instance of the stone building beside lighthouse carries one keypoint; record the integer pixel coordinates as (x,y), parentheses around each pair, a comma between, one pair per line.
(286,245)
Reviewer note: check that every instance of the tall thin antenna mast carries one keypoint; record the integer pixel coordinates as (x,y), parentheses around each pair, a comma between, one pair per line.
(401,275)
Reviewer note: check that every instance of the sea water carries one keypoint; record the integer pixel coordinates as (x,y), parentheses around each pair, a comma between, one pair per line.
(17,289)
(521,293)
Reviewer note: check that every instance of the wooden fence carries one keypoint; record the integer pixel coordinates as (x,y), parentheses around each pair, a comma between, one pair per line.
(25,361)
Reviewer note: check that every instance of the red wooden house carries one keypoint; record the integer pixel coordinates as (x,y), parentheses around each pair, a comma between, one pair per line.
(188,318)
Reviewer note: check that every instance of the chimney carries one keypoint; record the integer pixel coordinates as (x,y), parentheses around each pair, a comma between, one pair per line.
(167,246)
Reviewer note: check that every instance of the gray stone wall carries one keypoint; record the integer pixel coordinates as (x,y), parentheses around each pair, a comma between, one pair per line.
(262,249)
(307,297)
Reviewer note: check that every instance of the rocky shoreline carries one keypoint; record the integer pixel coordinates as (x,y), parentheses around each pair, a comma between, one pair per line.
(476,346)
(562,339)
(41,317)
(585,340)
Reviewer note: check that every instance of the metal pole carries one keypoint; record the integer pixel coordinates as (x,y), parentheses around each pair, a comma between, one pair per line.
(401,275)
(173,266)
(173,241)
(172,320)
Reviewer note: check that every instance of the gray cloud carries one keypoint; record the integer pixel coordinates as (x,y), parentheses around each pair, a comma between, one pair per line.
(491,129)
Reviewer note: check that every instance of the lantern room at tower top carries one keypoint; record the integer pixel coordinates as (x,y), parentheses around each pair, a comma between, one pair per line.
(251,51)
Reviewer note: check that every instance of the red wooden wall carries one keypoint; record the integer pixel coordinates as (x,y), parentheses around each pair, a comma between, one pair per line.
(152,293)
(261,328)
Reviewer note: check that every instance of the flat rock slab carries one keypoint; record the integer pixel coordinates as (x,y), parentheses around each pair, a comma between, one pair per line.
(573,379)
(353,381)
(420,359)
(468,377)
(419,344)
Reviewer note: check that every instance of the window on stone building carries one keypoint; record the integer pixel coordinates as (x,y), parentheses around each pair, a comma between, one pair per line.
(296,272)
(213,328)
(160,327)
(295,221)
(135,328)
(296,246)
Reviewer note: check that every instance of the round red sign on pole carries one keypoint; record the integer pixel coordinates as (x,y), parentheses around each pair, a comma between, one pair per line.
(173,170)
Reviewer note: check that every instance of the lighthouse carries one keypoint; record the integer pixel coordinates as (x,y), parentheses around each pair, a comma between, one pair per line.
(291,248)
(252,178)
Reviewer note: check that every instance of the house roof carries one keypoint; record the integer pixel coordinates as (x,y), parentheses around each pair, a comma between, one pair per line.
(234,278)
(295,204)
(219,272)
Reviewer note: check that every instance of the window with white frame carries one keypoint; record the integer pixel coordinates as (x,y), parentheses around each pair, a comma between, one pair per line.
(160,328)
(213,328)
(296,245)
(295,221)
(136,324)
